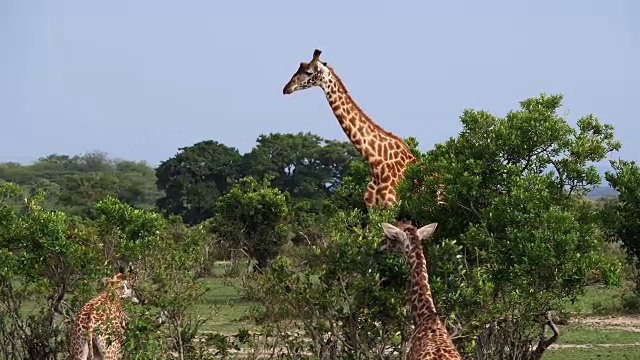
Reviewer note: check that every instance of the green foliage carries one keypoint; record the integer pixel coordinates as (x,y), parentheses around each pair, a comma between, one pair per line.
(127,233)
(620,218)
(74,184)
(43,258)
(254,218)
(52,262)
(194,178)
(512,239)
(305,165)
(349,193)
(171,289)
(345,302)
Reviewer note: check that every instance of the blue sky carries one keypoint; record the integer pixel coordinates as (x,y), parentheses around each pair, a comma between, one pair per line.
(140,79)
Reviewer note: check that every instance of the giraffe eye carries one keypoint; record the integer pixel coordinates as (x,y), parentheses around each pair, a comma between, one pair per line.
(309,73)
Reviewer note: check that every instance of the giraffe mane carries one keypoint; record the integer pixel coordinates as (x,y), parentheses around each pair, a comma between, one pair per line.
(357,107)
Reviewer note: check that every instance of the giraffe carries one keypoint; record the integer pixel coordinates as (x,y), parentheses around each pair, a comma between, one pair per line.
(430,339)
(98,329)
(387,154)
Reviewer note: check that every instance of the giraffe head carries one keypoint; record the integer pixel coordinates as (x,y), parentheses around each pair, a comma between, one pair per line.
(313,73)
(123,285)
(403,237)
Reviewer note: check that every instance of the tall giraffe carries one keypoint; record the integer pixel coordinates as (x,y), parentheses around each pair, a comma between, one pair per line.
(98,329)
(430,339)
(387,154)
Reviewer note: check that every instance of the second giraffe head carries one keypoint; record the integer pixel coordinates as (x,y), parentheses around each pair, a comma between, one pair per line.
(310,74)
(402,238)
(123,285)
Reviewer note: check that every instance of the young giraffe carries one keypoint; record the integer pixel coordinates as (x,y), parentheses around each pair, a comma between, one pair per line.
(98,329)
(387,154)
(430,339)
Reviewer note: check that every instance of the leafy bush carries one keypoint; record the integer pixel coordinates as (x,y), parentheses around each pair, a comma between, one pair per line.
(513,239)
(52,262)
(620,218)
(341,301)
(253,218)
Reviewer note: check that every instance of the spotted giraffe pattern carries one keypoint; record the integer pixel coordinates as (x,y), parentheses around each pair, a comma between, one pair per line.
(98,329)
(430,338)
(387,154)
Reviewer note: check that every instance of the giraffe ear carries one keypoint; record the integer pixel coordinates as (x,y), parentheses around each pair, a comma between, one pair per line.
(323,63)
(427,230)
(391,231)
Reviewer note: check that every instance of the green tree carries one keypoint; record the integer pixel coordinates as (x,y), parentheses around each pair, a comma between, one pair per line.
(519,240)
(194,178)
(621,217)
(305,165)
(80,191)
(44,257)
(75,184)
(348,194)
(340,300)
(254,218)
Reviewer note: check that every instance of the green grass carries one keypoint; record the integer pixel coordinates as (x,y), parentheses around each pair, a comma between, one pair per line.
(580,334)
(593,353)
(224,306)
(600,300)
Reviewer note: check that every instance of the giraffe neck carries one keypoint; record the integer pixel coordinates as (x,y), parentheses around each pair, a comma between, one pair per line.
(358,127)
(422,306)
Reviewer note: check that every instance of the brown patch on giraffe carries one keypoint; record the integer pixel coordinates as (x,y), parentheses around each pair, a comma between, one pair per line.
(376,162)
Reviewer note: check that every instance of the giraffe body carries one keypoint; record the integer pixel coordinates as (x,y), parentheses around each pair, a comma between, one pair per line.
(430,338)
(387,154)
(98,329)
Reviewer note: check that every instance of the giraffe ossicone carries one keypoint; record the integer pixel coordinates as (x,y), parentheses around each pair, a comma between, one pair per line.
(387,154)
(430,338)
(98,329)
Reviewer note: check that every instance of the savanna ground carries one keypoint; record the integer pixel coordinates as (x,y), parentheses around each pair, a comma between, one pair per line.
(604,322)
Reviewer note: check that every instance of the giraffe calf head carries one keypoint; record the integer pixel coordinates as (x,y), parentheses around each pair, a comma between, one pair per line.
(123,285)
(402,237)
(313,73)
